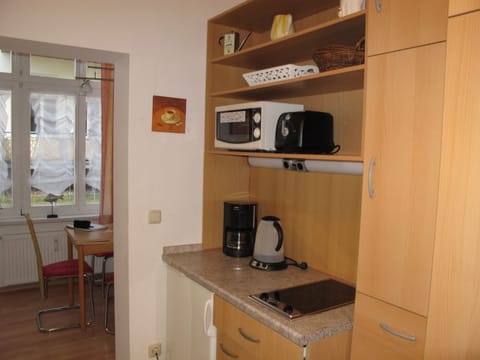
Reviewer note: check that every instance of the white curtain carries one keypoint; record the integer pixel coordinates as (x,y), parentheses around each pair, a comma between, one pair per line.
(94,142)
(5,182)
(53,155)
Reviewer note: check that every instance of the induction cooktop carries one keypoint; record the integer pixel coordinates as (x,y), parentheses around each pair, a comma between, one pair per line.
(311,298)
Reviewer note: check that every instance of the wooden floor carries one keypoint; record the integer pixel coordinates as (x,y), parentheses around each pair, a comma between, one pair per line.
(20,338)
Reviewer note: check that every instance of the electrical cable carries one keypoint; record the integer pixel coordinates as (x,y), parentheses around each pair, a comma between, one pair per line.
(335,149)
(292,262)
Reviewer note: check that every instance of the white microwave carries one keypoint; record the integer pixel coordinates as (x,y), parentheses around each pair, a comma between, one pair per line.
(249,126)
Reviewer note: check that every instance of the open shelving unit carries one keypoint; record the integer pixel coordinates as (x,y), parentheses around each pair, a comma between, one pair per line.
(296,198)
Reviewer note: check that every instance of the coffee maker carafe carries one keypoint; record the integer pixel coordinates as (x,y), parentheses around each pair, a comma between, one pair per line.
(239,226)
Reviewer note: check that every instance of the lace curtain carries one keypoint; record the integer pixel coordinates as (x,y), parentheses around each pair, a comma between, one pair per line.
(5,181)
(94,142)
(53,153)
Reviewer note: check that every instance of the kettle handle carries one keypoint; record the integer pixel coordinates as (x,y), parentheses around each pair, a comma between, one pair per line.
(278,227)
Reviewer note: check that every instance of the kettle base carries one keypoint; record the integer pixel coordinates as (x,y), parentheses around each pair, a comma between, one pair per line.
(260,265)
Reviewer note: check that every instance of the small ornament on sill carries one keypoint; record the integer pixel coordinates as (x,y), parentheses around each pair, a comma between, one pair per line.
(282,25)
(52,199)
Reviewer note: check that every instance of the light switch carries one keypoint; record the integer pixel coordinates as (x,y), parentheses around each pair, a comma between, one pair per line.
(154,216)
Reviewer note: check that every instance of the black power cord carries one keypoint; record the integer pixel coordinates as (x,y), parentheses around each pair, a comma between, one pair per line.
(291,262)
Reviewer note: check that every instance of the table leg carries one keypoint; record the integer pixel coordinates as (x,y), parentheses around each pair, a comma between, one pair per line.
(81,287)
(70,280)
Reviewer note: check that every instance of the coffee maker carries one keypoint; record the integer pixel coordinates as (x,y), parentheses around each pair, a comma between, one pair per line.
(239,226)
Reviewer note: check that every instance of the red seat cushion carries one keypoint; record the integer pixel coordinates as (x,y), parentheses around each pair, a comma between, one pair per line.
(64,268)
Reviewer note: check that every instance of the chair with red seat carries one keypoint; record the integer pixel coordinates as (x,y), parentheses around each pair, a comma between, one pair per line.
(59,270)
(105,257)
(109,282)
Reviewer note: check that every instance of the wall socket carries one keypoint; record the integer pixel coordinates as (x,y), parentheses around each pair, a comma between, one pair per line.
(154,350)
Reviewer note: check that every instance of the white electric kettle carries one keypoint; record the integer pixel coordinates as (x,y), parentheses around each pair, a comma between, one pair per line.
(268,249)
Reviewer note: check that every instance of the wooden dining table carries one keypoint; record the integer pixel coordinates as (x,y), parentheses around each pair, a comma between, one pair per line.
(86,242)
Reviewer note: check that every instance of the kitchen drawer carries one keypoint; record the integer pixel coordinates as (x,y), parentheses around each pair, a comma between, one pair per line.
(384,331)
(250,335)
(228,349)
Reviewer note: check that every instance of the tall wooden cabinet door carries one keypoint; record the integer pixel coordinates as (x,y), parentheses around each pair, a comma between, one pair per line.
(454,314)
(456,7)
(404,107)
(394,25)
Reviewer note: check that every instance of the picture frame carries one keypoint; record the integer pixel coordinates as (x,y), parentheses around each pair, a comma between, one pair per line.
(169,114)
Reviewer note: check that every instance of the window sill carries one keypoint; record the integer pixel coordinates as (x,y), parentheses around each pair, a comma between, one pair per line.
(17,220)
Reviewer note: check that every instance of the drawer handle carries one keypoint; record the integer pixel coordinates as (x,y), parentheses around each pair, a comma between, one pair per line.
(397,334)
(228,353)
(249,338)
(371,166)
(378,5)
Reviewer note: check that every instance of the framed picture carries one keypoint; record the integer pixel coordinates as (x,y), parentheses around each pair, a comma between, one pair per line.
(169,114)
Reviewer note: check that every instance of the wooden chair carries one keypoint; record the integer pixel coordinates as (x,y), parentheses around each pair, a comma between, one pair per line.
(67,269)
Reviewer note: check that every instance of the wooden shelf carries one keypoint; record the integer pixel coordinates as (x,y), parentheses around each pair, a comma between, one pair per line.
(298,46)
(272,155)
(325,197)
(257,15)
(345,79)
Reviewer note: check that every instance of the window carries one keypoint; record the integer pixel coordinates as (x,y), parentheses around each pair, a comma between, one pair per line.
(52,67)
(50,136)
(5,61)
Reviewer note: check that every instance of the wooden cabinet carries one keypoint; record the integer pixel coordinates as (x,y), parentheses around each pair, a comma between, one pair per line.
(395,25)
(453,319)
(456,7)
(242,337)
(320,213)
(404,107)
(332,348)
(383,331)
(403,142)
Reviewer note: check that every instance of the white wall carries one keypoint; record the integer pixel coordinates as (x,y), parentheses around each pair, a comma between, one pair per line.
(158,48)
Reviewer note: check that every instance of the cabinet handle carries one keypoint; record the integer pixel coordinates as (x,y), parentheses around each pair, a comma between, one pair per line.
(208,328)
(371,166)
(228,353)
(396,333)
(249,338)
(378,5)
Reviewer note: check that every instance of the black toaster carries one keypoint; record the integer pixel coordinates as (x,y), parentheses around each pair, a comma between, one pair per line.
(308,132)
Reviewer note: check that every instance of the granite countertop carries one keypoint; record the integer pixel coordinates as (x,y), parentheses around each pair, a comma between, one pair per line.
(233,280)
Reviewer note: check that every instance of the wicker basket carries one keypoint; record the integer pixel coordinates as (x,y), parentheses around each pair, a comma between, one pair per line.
(337,56)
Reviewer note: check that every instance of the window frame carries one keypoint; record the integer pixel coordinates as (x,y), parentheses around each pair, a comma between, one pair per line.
(22,85)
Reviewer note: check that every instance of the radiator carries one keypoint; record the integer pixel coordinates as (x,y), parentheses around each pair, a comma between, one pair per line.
(17,256)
